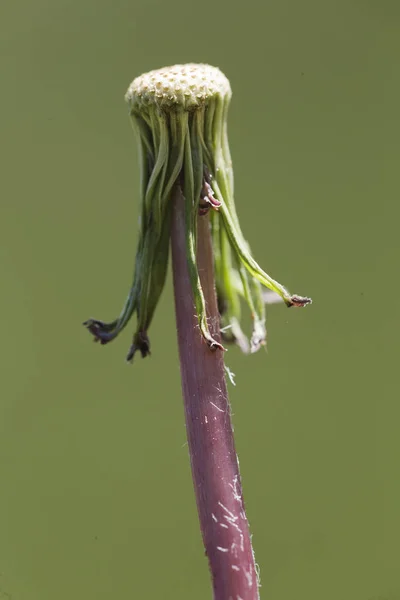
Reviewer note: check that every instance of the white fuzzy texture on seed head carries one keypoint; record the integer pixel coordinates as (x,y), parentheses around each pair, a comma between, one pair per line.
(185,86)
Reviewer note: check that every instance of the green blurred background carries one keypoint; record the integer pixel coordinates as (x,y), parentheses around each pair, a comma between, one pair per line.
(96,497)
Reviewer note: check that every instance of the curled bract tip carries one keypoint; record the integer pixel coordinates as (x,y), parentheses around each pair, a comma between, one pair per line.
(214,345)
(299,301)
(141,343)
(102,332)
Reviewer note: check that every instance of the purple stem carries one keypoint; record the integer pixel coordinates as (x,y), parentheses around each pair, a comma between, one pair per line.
(214,463)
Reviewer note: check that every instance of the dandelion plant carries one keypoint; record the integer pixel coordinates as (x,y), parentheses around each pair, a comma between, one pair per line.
(179,114)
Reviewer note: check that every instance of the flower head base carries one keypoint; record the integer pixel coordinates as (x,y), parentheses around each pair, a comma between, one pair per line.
(186,87)
(180,116)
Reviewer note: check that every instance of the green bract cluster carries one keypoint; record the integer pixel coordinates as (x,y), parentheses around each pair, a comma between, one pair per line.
(180,116)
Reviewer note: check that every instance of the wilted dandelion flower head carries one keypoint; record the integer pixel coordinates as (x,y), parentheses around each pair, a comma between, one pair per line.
(180,116)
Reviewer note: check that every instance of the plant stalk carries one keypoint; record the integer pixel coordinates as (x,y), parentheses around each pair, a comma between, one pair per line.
(214,463)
